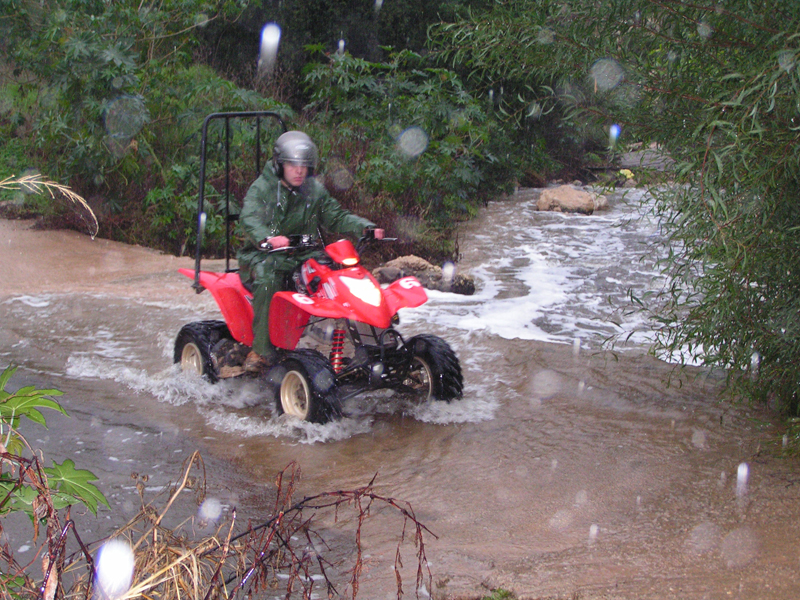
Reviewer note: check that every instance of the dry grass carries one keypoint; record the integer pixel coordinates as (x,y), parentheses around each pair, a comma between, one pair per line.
(35,184)
(285,556)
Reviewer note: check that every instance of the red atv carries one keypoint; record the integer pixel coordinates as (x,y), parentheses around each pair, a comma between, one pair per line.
(334,328)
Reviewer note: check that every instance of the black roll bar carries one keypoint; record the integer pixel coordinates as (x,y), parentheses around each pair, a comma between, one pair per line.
(229,218)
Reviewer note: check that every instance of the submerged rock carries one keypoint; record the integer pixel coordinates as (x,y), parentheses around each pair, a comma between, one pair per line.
(429,275)
(568,198)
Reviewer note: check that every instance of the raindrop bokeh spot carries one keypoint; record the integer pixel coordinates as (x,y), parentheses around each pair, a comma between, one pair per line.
(125,116)
(268,52)
(546,36)
(341,179)
(114,569)
(535,110)
(448,271)
(739,547)
(742,477)
(210,510)
(606,74)
(786,60)
(412,142)
(704,30)
(613,134)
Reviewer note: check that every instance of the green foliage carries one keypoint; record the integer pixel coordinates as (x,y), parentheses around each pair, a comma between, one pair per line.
(419,144)
(717,87)
(24,485)
(721,95)
(25,402)
(119,103)
(521,58)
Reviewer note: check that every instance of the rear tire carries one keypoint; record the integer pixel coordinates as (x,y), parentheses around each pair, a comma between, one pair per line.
(307,387)
(193,348)
(435,371)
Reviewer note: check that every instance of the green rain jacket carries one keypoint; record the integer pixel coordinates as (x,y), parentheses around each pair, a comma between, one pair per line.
(271,209)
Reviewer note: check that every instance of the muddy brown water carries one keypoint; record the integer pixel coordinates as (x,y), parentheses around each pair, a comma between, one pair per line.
(563,473)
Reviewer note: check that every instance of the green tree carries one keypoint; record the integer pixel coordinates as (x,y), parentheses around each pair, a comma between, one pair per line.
(120,103)
(716,86)
(421,148)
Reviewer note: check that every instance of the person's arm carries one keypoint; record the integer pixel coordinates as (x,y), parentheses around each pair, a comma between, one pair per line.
(337,219)
(257,216)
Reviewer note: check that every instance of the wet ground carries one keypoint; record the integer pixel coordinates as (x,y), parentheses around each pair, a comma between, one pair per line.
(567,471)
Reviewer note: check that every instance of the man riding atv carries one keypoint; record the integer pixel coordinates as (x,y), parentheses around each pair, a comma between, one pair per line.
(285,200)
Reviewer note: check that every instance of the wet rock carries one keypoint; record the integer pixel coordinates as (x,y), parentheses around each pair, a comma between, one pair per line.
(568,198)
(429,275)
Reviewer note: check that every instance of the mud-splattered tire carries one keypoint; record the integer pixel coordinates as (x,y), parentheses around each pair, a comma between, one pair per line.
(193,347)
(435,371)
(307,387)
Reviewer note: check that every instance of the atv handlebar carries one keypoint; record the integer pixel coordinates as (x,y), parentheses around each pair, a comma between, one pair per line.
(309,242)
(296,242)
(369,238)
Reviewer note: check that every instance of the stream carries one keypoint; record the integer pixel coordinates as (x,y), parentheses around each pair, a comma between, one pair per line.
(570,469)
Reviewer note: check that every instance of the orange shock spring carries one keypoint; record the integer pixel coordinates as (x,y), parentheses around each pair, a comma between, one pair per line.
(337,350)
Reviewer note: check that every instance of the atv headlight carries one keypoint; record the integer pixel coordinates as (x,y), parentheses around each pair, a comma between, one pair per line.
(363,289)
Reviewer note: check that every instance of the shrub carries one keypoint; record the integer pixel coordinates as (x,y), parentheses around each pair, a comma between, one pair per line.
(412,148)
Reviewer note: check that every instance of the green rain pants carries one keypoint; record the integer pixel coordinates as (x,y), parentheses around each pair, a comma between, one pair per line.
(265,278)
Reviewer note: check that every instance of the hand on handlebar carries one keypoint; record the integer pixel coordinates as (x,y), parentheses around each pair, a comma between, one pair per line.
(279,241)
(273,243)
(373,233)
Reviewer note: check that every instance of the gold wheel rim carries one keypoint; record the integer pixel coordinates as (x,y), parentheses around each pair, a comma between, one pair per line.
(192,359)
(295,395)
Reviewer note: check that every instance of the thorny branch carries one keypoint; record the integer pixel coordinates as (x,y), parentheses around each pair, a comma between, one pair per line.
(288,551)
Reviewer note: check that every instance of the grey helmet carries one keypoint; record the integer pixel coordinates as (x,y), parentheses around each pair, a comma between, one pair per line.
(296,148)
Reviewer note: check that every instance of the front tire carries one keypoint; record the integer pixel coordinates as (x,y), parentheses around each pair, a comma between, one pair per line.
(193,348)
(307,387)
(435,372)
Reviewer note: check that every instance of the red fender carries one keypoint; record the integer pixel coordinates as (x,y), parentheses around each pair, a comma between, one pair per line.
(233,300)
(405,293)
(289,313)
